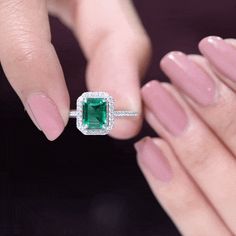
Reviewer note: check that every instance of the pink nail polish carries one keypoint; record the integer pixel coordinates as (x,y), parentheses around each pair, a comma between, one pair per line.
(165,107)
(221,54)
(150,156)
(189,77)
(45,114)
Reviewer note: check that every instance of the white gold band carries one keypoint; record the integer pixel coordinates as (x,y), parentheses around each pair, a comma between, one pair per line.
(74,114)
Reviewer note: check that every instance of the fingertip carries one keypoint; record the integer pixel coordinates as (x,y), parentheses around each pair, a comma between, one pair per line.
(207,41)
(140,145)
(170,57)
(126,97)
(45,114)
(152,160)
(126,128)
(145,91)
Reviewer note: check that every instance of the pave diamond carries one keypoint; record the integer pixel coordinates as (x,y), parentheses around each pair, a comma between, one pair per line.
(125,113)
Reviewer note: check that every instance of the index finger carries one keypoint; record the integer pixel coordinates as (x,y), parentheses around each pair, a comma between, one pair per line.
(31,64)
(118,51)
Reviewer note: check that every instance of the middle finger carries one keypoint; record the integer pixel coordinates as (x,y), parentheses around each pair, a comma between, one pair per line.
(209,163)
(212,99)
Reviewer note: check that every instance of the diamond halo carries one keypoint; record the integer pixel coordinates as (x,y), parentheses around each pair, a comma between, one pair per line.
(111,114)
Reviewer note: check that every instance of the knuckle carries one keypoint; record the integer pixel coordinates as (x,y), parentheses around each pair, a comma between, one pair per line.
(185,198)
(24,55)
(229,129)
(146,45)
(26,47)
(10,8)
(141,41)
(140,45)
(24,52)
(10,3)
(146,42)
(184,202)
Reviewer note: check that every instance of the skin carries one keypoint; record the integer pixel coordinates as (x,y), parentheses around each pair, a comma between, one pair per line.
(200,193)
(193,176)
(115,45)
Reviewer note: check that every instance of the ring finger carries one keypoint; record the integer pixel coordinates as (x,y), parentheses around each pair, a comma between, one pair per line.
(211,98)
(175,190)
(201,153)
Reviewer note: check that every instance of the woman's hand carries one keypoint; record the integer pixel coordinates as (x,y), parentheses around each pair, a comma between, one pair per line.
(113,41)
(192,168)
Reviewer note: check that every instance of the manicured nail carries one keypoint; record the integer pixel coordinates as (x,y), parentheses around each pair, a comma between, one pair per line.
(221,54)
(150,156)
(44,113)
(189,77)
(165,107)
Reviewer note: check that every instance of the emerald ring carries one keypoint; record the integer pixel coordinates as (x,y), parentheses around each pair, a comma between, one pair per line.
(95,113)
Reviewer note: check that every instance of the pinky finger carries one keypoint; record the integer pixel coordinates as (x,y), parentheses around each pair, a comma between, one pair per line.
(176,192)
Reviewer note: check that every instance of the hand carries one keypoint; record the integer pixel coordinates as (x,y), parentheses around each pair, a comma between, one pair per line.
(192,168)
(113,41)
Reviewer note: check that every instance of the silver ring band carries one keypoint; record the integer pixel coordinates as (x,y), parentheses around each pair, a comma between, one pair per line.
(74,114)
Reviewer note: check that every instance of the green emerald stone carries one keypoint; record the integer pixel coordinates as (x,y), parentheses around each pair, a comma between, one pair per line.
(95,113)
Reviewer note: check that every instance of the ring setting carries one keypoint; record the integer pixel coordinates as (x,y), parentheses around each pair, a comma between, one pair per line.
(95,113)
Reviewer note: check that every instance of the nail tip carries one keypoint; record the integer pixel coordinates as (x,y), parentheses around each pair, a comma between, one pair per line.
(154,160)
(174,54)
(170,59)
(46,114)
(53,136)
(208,40)
(127,128)
(147,86)
(139,145)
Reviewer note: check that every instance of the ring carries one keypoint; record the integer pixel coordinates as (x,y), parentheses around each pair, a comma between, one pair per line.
(95,113)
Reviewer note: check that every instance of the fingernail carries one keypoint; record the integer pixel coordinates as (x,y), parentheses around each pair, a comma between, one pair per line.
(189,77)
(45,114)
(165,107)
(150,156)
(221,54)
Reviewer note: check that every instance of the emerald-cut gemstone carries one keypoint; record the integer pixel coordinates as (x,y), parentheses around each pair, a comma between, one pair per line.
(94,113)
